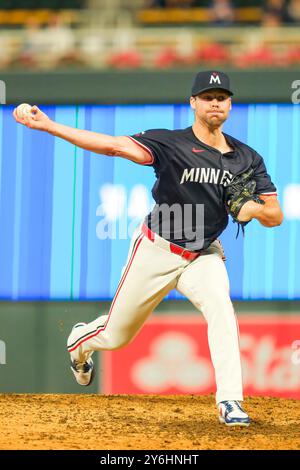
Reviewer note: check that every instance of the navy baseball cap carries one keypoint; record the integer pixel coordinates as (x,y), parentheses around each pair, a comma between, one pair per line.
(210,80)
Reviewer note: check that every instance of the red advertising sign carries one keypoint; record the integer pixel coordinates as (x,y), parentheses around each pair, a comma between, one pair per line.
(171,356)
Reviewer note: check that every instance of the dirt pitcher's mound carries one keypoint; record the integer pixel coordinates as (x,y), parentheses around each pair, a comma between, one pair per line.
(142,422)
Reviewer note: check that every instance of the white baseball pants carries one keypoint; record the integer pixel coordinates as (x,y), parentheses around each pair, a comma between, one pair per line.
(151,271)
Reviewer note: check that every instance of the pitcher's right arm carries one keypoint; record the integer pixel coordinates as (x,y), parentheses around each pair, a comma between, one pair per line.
(120,146)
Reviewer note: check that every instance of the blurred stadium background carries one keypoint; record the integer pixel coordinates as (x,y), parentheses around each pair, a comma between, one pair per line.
(120,66)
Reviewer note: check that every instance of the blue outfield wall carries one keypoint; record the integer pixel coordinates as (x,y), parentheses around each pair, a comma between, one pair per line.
(57,203)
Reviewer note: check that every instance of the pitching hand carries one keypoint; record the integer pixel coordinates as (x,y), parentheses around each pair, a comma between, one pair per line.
(36,119)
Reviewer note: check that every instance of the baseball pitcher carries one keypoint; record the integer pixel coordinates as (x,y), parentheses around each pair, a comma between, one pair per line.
(203,176)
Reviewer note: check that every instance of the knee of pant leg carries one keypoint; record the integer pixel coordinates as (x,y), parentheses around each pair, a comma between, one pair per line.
(218,301)
(116,342)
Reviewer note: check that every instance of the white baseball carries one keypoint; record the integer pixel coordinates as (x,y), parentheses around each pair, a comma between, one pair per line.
(23,109)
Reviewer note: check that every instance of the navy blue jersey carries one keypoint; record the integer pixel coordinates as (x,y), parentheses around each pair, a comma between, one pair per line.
(191,176)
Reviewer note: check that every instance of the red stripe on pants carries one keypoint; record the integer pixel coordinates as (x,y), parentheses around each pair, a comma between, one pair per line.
(113,302)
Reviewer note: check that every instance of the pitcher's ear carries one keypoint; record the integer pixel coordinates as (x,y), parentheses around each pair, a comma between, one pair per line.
(193,102)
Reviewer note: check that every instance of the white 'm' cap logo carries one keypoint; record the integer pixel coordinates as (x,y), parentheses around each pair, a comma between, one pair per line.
(214,78)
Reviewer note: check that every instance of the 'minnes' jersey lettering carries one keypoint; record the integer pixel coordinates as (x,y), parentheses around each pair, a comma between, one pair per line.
(191,175)
(206,175)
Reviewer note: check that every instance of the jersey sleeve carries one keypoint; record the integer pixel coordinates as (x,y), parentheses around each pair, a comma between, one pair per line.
(263,180)
(157,142)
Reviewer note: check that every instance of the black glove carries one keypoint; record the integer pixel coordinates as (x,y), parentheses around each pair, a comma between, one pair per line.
(240,190)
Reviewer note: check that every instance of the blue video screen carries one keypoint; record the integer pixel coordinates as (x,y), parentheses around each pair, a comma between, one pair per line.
(66,214)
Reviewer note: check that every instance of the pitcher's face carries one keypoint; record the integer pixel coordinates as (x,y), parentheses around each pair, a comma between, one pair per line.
(211,107)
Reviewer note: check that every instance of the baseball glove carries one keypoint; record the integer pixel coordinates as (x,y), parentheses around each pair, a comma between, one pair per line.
(240,190)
